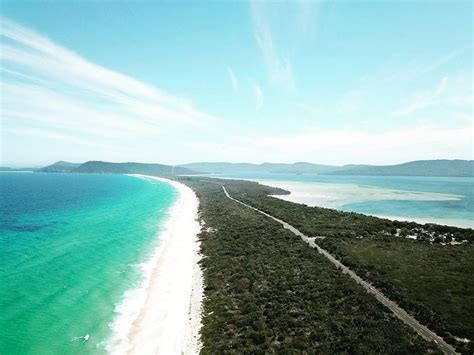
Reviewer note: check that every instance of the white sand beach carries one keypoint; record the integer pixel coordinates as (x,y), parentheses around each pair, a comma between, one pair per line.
(169,317)
(461,223)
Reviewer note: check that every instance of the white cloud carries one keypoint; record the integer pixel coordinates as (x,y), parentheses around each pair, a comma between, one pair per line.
(467,117)
(423,99)
(233,79)
(455,93)
(441,61)
(278,67)
(342,146)
(258,94)
(48,88)
(47,135)
(345,146)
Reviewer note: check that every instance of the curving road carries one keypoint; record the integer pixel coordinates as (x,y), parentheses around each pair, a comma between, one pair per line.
(399,312)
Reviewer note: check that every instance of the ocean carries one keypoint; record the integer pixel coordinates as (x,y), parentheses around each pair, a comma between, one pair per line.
(443,200)
(73,250)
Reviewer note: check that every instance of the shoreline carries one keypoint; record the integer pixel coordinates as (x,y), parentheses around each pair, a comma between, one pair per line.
(169,317)
(302,196)
(461,223)
(447,222)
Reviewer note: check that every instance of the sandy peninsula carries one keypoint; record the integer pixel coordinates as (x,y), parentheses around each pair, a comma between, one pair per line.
(169,318)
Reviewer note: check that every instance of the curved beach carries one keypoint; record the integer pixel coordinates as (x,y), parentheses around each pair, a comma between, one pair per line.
(170,318)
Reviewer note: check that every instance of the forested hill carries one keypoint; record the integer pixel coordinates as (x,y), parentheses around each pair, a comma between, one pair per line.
(459,168)
(59,167)
(130,168)
(415,168)
(101,167)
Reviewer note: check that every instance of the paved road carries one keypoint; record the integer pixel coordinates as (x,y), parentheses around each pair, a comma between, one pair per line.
(399,312)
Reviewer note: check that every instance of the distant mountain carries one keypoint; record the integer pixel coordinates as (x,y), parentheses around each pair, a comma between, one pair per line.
(414,168)
(459,168)
(59,167)
(452,168)
(130,168)
(296,168)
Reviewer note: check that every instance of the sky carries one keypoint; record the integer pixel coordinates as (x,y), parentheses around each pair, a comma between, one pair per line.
(334,82)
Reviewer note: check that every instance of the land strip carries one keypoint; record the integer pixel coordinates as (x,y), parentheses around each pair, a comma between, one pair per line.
(399,312)
(265,291)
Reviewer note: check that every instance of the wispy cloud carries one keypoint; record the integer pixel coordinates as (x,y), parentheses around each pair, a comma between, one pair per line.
(49,88)
(454,92)
(258,94)
(441,61)
(38,133)
(233,79)
(278,67)
(423,99)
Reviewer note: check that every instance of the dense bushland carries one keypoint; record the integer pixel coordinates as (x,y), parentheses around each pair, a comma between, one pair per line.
(267,291)
(429,277)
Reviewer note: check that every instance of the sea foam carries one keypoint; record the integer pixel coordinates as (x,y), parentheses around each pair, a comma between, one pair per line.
(133,300)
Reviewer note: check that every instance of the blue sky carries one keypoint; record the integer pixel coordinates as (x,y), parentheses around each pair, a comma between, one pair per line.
(333,82)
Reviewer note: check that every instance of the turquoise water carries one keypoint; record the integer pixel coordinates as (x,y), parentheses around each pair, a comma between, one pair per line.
(70,247)
(383,195)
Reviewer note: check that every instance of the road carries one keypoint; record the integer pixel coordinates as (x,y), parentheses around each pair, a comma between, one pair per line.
(399,312)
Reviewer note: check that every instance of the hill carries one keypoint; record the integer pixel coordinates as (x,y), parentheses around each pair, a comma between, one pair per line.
(59,167)
(459,168)
(130,168)
(444,167)
(449,168)
(296,168)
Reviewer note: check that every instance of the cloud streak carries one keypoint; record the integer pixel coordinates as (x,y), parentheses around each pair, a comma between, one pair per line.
(233,79)
(278,67)
(48,88)
(441,61)
(455,93)
(258,94)
(423,99)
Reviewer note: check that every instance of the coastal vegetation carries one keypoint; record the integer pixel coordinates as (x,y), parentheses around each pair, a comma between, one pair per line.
(59,167)
(426,269)
(267,291)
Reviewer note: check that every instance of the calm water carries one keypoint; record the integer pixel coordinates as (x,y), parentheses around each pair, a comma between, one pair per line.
(70,247)
(425,199)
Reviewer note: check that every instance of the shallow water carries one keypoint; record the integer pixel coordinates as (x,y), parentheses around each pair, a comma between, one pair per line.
(71,246)
(424,199)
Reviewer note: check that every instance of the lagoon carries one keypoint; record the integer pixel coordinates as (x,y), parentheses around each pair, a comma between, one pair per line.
(442,200)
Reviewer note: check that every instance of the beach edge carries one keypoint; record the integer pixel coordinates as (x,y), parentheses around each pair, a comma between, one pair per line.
(170,320)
